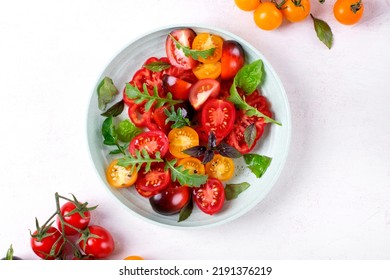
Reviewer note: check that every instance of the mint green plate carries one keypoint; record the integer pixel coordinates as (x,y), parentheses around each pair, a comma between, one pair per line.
(274,143)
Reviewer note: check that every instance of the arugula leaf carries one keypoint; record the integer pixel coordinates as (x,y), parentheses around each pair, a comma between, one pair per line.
(157,66)
(250,76)
(140,158)
(258,164)
(236,98)
(233,190)
(138,96)
(106,91)
(178,118)
(195,54)
(114,110)
(183,176)
(324,32)
(186,211)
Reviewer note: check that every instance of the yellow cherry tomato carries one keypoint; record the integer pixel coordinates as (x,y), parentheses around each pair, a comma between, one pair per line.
(181,139)
(267,16)
(119,176)
(247,5)
(296,10)
(208,70)
(348,11)
(205,41)
(192,164)
(134,258)
(220,167)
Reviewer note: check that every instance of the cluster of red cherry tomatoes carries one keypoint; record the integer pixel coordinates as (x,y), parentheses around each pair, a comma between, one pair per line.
(202,87)
(268,15)
(72,236)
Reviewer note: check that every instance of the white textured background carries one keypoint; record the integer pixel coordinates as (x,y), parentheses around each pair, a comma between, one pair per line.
(333,198)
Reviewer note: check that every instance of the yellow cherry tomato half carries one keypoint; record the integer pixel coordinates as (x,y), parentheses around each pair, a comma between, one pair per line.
(267,16)
(296,10)
(208,70)
(247,5)
(181,139)
(205,41)
(119,176)
(134,258)
(220,167)
(348,11)
(192,164)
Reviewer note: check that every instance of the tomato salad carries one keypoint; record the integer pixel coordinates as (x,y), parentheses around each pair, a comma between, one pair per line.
(190,114)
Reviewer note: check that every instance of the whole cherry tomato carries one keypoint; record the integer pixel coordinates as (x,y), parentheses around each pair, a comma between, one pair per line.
(77,217)
(247,5)
(348,11)
(267,16)
(232,59)
(171,200)
(96,241)
(296,10)
(47,244)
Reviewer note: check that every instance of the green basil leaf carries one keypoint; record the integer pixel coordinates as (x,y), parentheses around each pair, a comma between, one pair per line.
(250,134)
(186,211)
(108,131)
(258,164)
(157,66)
(324,32)
(114,110)
(127,130)
(106,91)
(250,76)
(233,190)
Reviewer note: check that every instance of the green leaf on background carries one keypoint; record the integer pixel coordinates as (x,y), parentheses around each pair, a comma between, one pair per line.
(324,32)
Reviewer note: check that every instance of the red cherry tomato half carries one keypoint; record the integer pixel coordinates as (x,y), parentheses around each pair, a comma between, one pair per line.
(236,136)
(210,197)
(178,87)
(155,180)
(138,115)
(79,220)
(175,55)
(218,116)
(49,246)
(152,141)
(233,58)
(159,118)
(171,200)
(203,90)
(148,77)
(96,241)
